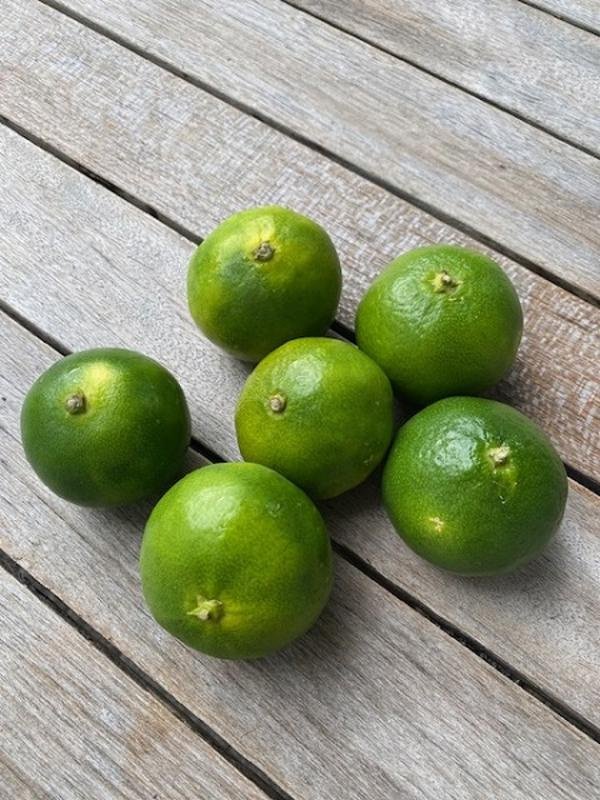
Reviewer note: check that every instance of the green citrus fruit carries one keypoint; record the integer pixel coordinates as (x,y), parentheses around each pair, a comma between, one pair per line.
(236,561)
(319,412)
(264,276)
(441,321)
(105,427)
(474,486)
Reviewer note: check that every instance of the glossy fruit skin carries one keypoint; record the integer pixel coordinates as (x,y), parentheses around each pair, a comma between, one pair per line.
(125,437)
(243,544)
(473,486)
(441,321)
(336,418)
(264,276)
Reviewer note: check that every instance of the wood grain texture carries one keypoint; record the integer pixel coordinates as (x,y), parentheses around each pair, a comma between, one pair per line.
(584,12)
(197,160)
(514,184)
(375,702)
(75,726)
(79,262)
(519,57)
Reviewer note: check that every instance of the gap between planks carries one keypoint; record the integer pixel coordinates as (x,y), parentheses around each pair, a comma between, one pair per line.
(67,186)
(149,221)
(74,724)
(588,481)
(99,179)
(296,136)
(468,642)
(442,78)
(584,479)
(570,20)
(552,315)
(145,681)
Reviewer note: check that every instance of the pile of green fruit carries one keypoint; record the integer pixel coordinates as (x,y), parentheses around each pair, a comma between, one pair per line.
(235,559)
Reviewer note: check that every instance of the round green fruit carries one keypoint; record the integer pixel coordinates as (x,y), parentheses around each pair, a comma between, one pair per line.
(441,321)
(473,486)
(319,412)
(236,561)
(264,276)
(105,427)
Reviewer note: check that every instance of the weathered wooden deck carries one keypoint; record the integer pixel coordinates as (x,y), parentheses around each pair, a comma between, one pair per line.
(129,129)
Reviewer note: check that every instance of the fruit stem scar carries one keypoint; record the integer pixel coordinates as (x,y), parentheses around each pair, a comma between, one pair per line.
(499,455)
(207,609)
(444,282)
(75,403)
(277,403)
(264,252)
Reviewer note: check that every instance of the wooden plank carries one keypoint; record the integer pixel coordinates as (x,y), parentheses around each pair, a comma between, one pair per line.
(375,702)
(514,184)
(518,57)
(582,12)
(17,784)
(105,262)
(74,725)
(159,134)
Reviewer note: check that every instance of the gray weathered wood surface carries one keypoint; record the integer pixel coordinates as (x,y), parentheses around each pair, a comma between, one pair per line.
(583,12)
(508,52)
(375,702)
(74,725)
(415,683)
(162,133)
(513,183)
(101,258)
